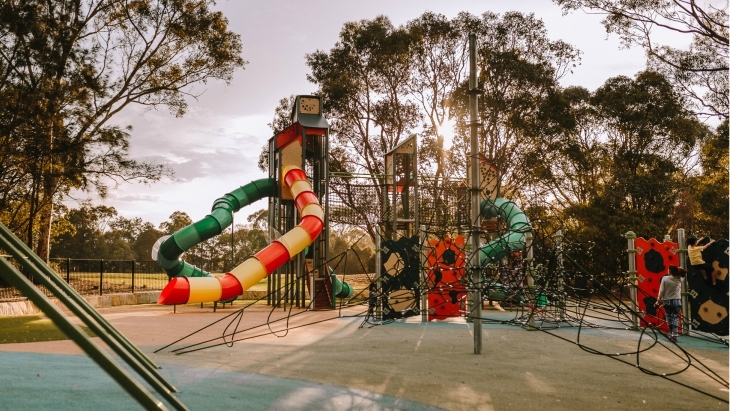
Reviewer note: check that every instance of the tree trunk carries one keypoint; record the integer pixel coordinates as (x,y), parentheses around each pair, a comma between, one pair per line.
(46,218)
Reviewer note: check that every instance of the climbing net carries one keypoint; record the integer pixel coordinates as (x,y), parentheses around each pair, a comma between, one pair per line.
(543,286)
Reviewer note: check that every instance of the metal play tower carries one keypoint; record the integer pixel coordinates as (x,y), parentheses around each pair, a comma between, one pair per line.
(305,144)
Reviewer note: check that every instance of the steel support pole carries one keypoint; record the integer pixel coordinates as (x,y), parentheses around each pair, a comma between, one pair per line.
(530,276)
(682,245)
(378,274)
(476,294)
(631,251)
(424,277)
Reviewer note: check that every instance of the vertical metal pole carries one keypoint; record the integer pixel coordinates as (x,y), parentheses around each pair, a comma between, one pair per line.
(476,294)
(378,273)
(561,295)
(394,203)
(631,251)
(424,277)
(133,263)
(682,245)
(530,275)
(233,251)
(101,276)
(68,271)
(299,271)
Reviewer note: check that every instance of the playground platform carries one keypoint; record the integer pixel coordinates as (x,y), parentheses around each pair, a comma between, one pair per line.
(323,362)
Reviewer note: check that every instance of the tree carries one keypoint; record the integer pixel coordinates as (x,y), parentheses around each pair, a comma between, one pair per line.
(382,84)
(351,251)
(68,67)
(87,239)
(176,221)
(705,205)
(134,234)
(701,71)
(145,240)
(623,167)
(440,57)
(521,105)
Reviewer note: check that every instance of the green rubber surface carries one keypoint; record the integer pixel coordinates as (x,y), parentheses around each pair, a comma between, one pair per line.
(31,381)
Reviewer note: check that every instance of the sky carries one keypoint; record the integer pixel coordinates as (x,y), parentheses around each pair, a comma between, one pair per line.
(214,148)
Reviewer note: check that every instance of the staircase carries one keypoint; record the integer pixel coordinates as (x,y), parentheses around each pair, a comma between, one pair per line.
(322,289)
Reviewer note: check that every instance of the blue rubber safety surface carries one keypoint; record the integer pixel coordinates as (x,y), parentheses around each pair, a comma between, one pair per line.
(31,381)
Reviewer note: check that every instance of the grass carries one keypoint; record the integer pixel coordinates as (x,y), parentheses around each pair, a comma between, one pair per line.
(31,328)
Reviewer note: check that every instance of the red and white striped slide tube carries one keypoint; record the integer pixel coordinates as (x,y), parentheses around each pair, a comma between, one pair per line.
(183,290)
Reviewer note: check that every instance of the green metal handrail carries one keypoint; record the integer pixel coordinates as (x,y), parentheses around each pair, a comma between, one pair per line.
(74,302)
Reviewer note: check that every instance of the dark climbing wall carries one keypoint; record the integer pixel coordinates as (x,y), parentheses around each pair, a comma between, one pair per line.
(400,261)
(708,303)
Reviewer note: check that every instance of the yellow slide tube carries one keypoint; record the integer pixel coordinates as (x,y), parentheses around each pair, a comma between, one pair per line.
(204,289)
(249,272)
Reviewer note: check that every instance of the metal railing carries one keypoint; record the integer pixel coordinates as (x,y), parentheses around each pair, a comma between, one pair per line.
(97,277)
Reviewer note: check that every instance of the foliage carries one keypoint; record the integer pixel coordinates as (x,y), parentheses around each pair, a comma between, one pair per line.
(68,67)
(518,71)
(699,72)
(382,84)
(351,251)
(621,168)
(97,232)
(704,205)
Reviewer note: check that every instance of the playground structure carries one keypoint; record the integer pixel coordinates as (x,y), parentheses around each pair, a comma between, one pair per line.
(303,145)
(422,271)
(425,264)
(424,259)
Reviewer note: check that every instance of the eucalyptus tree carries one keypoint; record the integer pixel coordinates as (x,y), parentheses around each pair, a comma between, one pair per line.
(363,80)
(700,71)
(86,239)
(624,165)
(381,84)
(71,66)
(704,206)
(518,72)
(440,59)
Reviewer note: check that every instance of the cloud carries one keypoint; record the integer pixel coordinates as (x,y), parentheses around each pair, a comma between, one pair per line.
(210,153)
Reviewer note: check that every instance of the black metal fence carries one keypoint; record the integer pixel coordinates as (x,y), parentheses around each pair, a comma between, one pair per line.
(98,277)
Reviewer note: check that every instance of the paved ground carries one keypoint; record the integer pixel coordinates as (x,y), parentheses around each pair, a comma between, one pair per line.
(325,362)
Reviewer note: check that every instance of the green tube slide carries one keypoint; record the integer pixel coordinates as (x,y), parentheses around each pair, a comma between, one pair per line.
(220,217)
(513,240)
(340,288)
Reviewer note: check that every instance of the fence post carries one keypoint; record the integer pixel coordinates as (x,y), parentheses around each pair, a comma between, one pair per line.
(631,251)
(101,276)
(68,270)
(424,276)
(530,276)
(686,312)
(133,263)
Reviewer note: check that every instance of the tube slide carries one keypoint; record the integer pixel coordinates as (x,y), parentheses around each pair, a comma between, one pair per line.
(340,288)
(514,239)
(185,287)
(221,216)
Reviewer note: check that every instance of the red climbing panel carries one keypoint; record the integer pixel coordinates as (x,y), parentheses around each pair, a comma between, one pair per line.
(653,259)
(446,263)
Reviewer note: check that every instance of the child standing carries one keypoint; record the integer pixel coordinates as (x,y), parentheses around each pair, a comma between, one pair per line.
(694,252)
(670,295)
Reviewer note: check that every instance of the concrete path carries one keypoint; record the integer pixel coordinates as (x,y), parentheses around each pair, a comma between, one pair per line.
(326,362)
